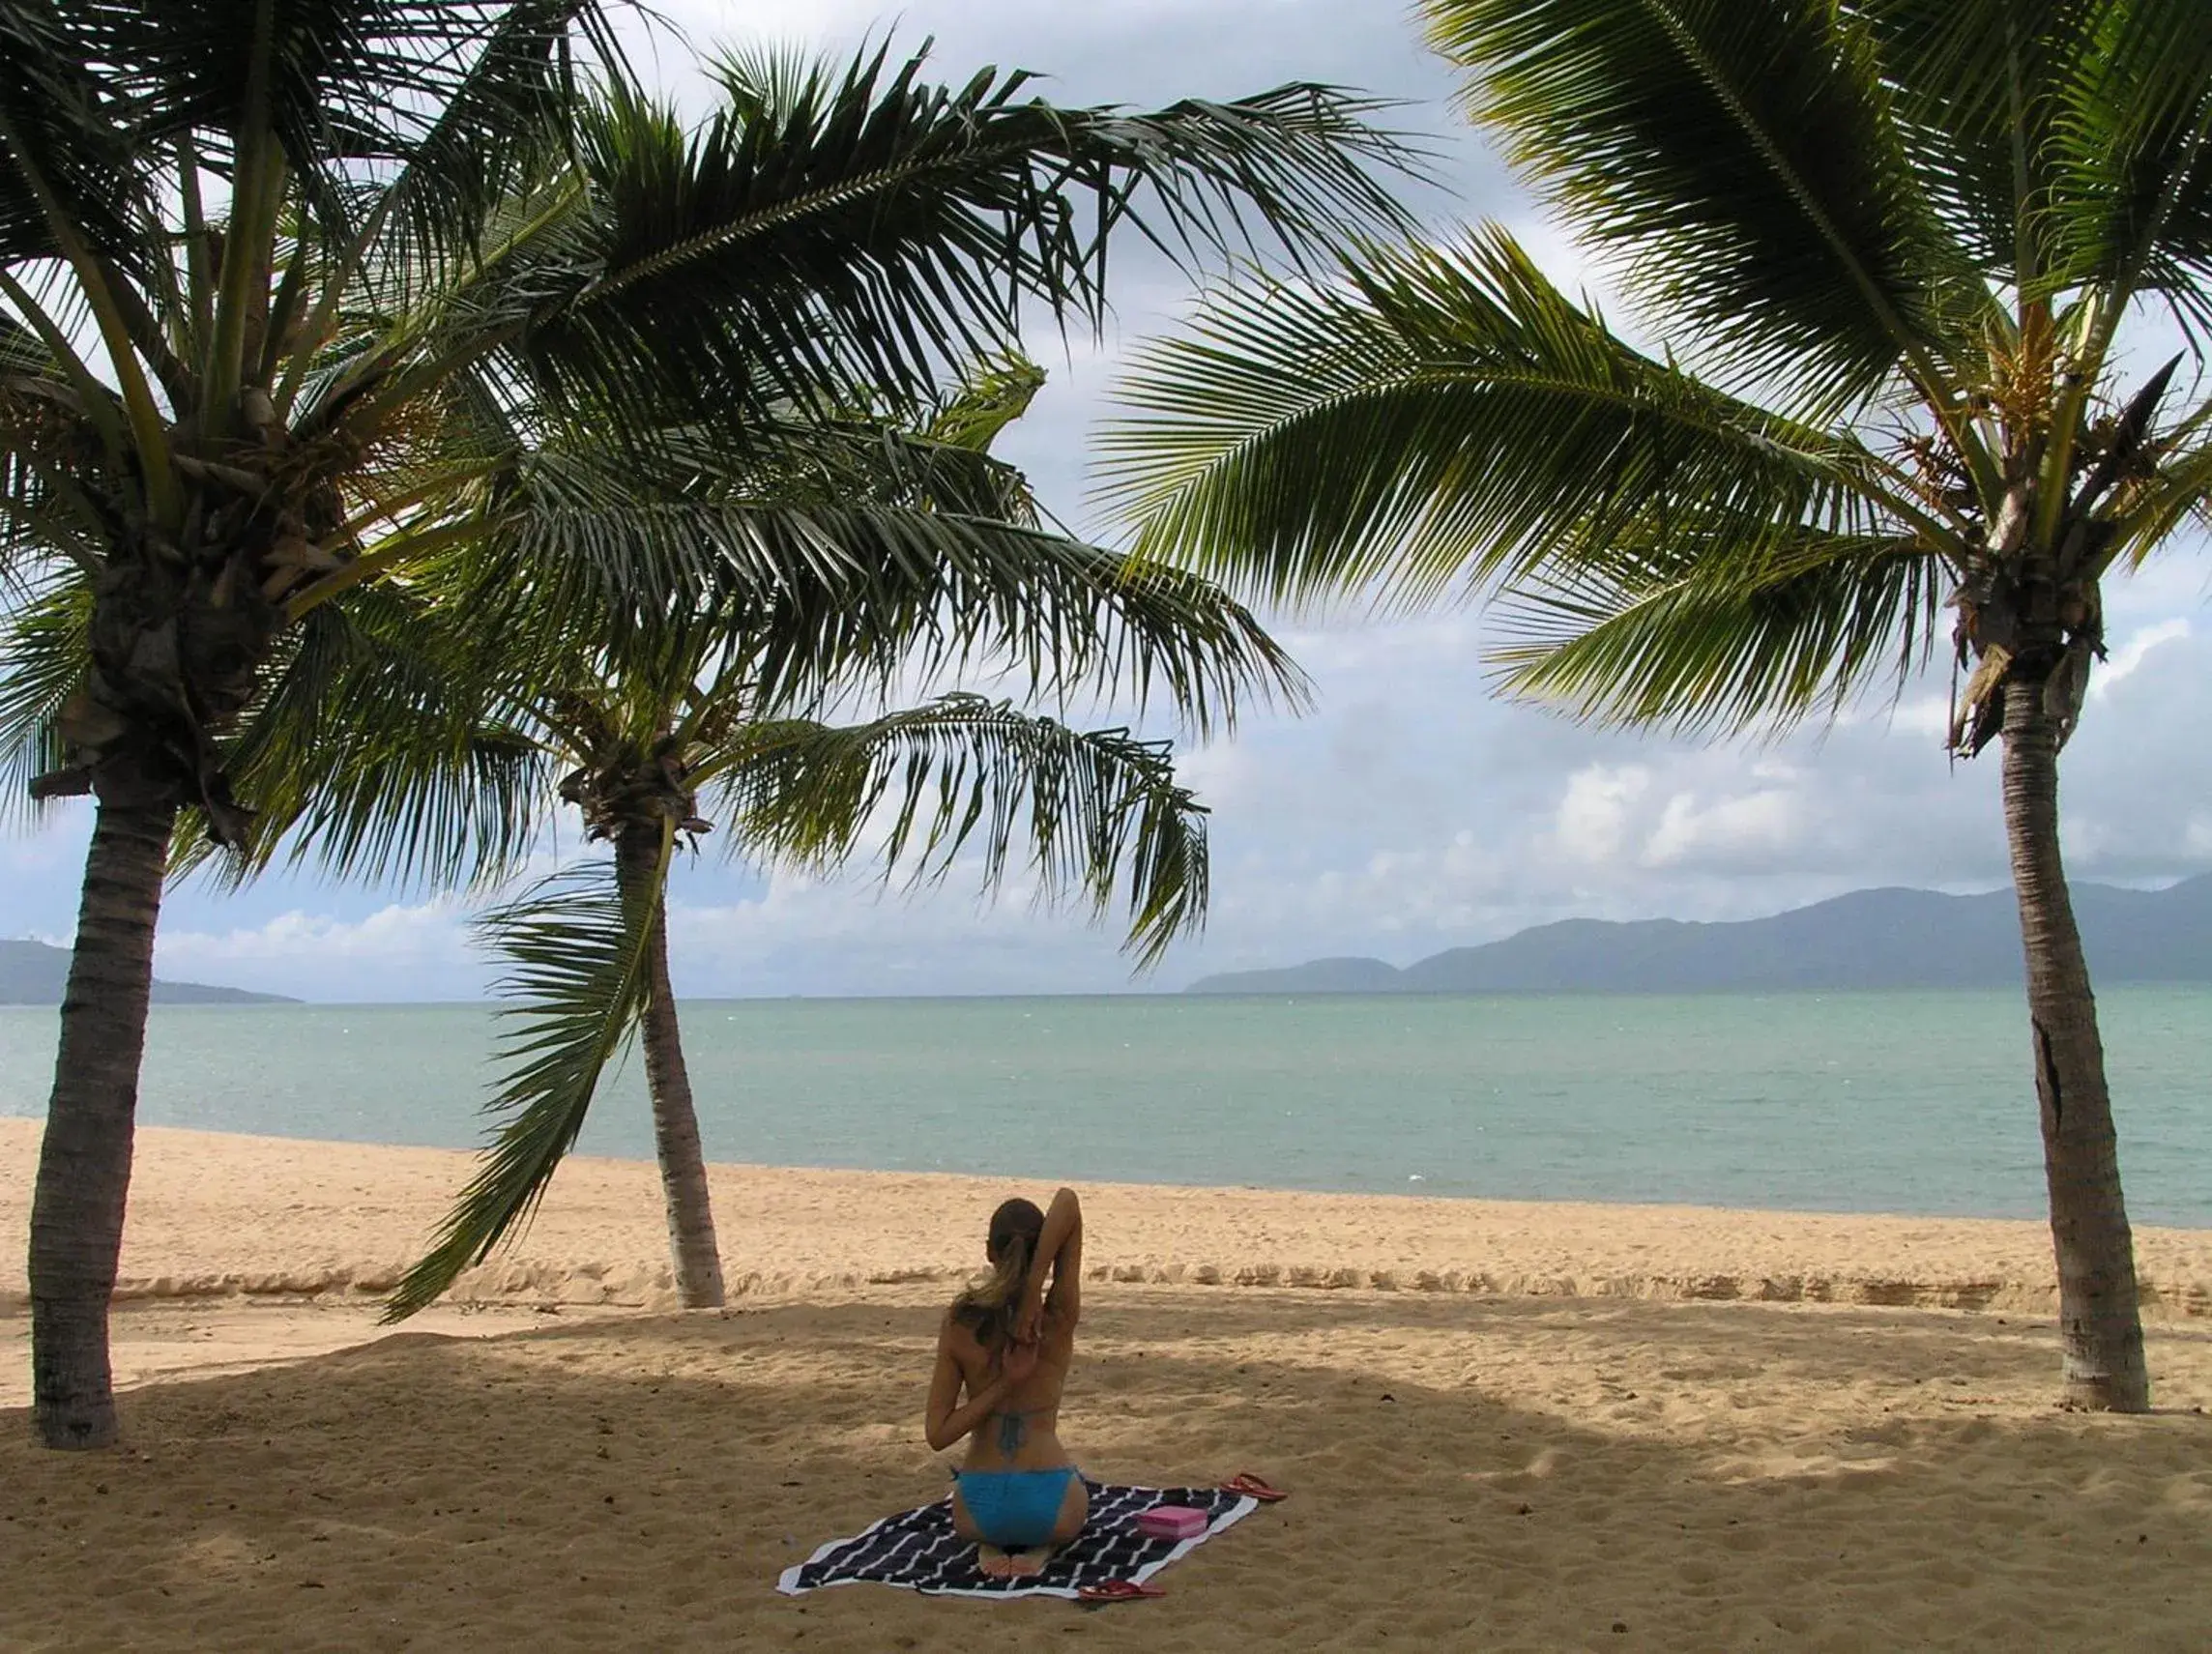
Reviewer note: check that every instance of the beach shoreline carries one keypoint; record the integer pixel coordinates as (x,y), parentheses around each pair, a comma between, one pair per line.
(216,1215)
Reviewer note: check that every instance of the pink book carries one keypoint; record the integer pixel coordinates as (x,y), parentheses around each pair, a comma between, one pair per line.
(1172,1522)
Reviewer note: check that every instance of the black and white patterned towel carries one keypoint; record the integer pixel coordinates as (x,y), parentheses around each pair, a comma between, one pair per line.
(919,1550)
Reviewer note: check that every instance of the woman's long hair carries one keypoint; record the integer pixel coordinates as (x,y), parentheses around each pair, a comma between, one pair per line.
(988,1308)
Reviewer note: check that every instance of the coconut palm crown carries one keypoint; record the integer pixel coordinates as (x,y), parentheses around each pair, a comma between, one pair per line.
(1903,255)
(275,277)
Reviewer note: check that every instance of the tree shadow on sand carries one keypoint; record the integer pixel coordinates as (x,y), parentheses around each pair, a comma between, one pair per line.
(1468,1473)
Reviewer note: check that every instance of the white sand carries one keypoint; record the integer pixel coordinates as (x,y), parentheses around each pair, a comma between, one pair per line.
(219,1216)
(1512,1425)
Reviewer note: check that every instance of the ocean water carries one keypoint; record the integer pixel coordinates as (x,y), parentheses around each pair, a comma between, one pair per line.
(1913,1102)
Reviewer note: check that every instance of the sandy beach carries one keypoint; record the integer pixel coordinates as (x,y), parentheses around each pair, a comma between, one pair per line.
(1505,1425)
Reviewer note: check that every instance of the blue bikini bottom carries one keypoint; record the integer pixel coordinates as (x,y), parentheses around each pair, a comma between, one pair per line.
(1014,1507)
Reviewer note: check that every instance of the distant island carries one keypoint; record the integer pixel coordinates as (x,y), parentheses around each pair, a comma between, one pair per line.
(32,973)
(1869,939)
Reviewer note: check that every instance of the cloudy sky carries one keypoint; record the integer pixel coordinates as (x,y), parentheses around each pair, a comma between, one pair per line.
(1410,812)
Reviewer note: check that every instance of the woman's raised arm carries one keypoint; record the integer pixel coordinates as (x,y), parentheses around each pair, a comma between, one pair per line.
(1060,1243)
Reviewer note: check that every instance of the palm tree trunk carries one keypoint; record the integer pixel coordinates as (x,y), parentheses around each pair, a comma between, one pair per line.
(692,1244)
(84,1161)
(2098,1321)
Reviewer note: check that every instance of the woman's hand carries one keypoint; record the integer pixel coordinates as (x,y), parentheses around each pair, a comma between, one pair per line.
(1019,1362)
(1030,1322)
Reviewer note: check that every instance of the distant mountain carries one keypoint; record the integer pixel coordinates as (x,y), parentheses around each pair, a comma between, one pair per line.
(1869,939)
(1318,977)
(32,973)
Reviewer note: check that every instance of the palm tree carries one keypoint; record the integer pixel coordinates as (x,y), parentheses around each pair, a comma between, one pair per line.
(366,768)
(587,947)
(1899,251)
(274,276)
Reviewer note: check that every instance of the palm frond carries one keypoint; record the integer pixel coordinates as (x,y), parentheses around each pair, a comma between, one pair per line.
(1439,419)
(2130,209)
(764,80)
(937,594)
(66,166)
(1977,86)
(349,91)
(1100,812)
(2178,494)
(42,659)
(1743,165)
(50,450)
(994,396)
(575,949)
(581,555)
(865,230)
(503,121)
(383,749)
(943,465)
(1695,637)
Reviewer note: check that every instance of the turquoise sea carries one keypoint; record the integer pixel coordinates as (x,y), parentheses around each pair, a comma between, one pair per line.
(1909,1102)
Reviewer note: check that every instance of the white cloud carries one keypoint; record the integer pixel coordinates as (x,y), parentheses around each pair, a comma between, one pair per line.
(1928,716)
(2129,657)
(1224,773)
(397,952)
(1592,820)
(394,932)
(1737,829)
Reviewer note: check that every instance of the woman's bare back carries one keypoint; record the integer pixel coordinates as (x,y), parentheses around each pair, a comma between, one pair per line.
(1022,1433)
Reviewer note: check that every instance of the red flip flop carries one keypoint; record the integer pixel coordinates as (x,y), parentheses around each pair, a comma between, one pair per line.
(1117,1592)
(1254,1488)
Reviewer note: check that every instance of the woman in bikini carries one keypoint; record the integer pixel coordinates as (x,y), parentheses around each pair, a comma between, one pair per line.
(1007,1345)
